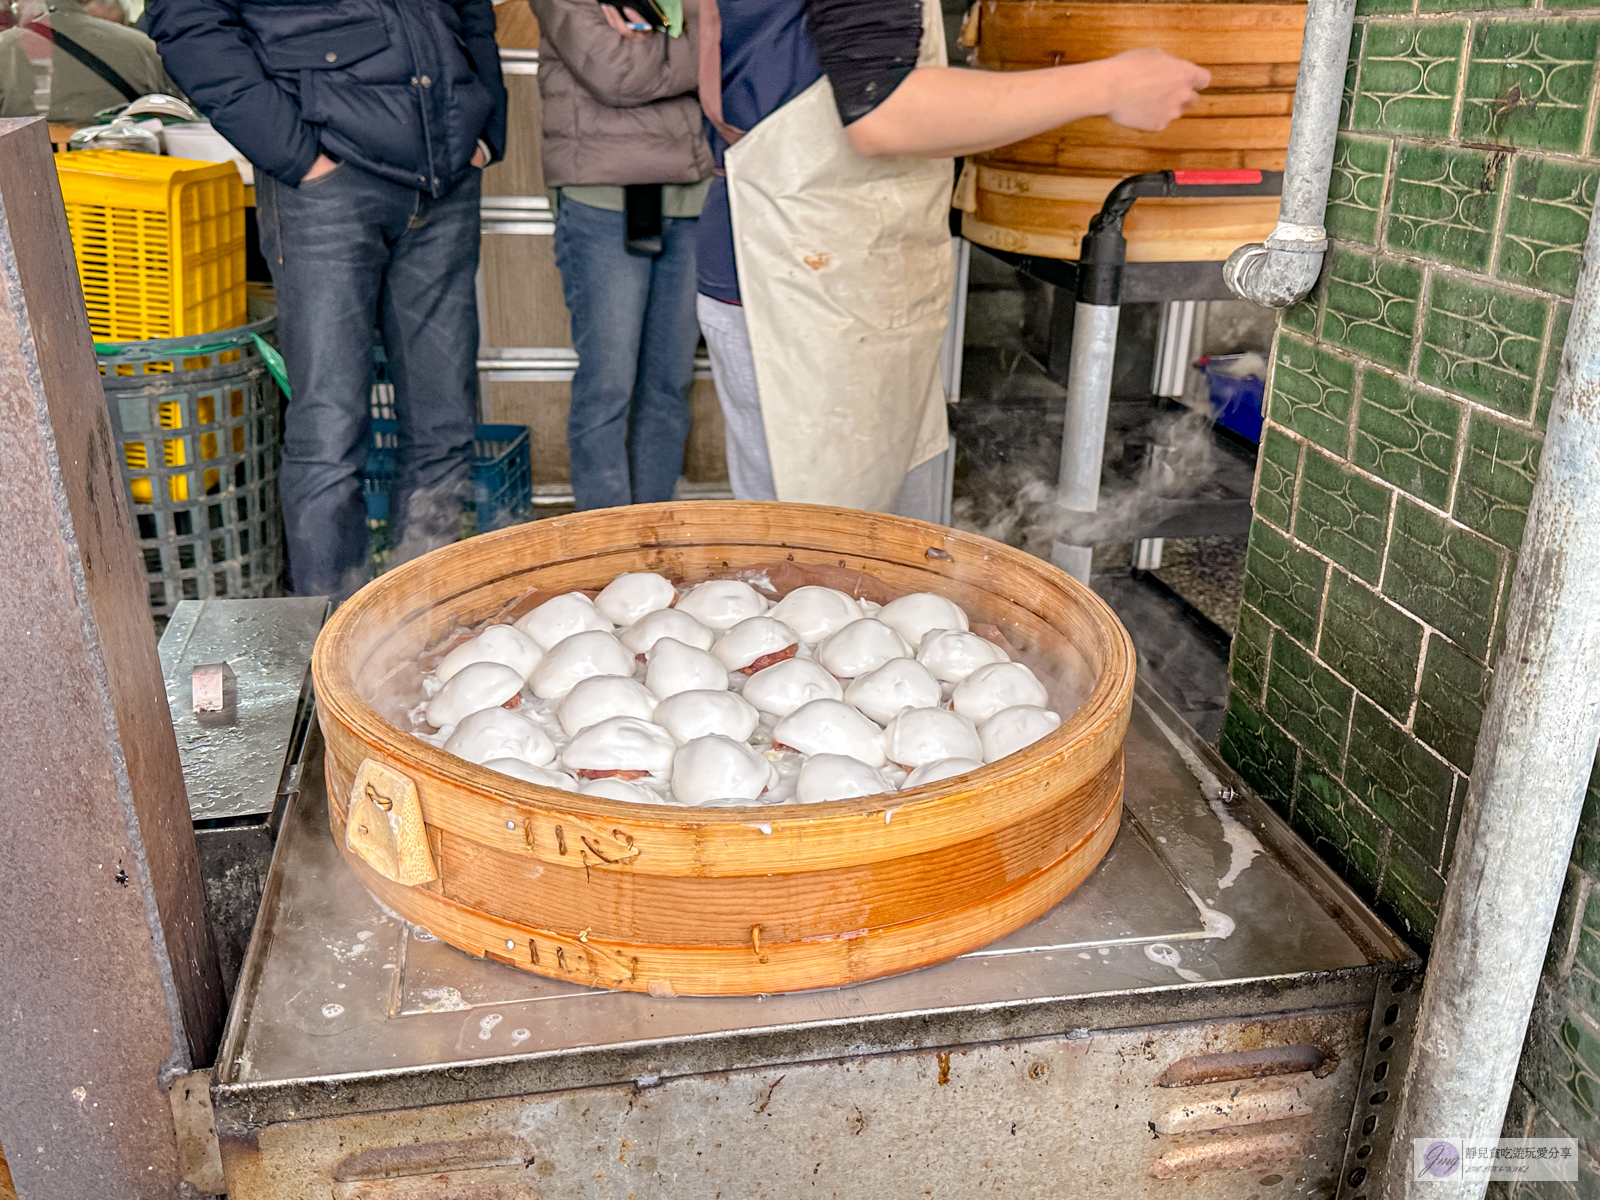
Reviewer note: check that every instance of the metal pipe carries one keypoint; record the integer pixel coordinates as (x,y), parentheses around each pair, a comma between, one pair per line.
(1528,780)
(1281,271)
(1083,438)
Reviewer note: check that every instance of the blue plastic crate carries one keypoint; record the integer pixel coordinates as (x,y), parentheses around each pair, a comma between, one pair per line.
(502,475)
(1235,401)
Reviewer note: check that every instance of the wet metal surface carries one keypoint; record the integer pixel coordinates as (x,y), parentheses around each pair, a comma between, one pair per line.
(346,1008)
(234,770)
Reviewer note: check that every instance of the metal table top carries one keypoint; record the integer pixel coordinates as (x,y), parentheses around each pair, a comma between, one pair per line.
(345,1007)
(234,770)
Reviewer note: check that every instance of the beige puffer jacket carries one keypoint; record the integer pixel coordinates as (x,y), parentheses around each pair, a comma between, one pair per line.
(618,111)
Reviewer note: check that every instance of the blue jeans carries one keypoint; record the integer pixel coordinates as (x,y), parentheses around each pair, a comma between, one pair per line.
(348,251)
(634,328)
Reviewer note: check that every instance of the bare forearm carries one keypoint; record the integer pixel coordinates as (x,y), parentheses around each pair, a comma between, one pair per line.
(941,112)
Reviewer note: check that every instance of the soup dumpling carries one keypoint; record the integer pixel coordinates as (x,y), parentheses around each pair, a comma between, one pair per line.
(595,699)
(995,686)
(815,612)
(716,768)
(782,688)
(756,643)
(1010,729)
(494,733)
(579,657)
(831,727)
(623,746)
(721,604)
(923,735)
(697,714)
(676,668)
(912,616)
(503,644)
(860,647)
(547,776)
(899,684)
(633,595)
(556,620)
(826,777)
(666,623)
(473,688)
(952,655)
(944,768)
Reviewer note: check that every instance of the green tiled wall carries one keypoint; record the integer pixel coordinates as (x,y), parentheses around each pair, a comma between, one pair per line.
(1405,422)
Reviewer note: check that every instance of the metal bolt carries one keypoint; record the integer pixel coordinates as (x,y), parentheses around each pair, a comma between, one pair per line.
(330,56)
(511,824)
(510,945)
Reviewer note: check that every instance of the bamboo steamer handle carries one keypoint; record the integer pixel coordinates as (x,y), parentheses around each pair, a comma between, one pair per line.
(385,827)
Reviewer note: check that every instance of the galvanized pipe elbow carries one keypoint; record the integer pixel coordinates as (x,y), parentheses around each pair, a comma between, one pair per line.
(1282,270)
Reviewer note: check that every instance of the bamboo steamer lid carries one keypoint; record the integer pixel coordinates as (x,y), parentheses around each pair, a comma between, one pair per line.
(669,900)
(1036,196)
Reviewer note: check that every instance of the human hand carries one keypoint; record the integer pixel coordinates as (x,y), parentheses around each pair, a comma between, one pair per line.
(480,158)
(322,166)
(1149,89)
(621,22)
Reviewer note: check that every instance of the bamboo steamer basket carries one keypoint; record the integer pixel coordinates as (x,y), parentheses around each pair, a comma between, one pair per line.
(667,900)
(1037,196)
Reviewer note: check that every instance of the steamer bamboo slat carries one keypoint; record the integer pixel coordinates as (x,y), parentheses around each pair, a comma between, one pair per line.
(1242,121)
(723,901)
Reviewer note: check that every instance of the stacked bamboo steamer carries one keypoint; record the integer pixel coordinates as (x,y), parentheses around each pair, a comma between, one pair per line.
(1036,196)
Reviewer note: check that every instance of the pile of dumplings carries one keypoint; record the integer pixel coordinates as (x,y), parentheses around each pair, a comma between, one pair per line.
(713,696)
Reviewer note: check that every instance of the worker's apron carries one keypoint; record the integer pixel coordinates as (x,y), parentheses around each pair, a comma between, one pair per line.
(845,273)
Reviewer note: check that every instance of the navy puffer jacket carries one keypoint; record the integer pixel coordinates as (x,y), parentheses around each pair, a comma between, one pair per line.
(401,88)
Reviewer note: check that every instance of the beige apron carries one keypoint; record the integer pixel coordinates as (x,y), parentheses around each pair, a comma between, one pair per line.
(845,274)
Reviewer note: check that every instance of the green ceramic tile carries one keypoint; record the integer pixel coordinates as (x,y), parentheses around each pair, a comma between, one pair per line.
(1444,574)
(1283,582)
(1355,191)
(1371,643)
(1451,701)
(1547,219)
(1497,475)
(1483,343)
(1561,1065)
(1247,667)
(1528,83)
(1371,306)
(1302,317)
(1308,702)
(1399,779)
(1339,829)
(1311,393)
(1347,99)
(1342,515)
(1262,753)
(1552,363)
(1586,850)
(1410,892)
(1407,436)
(1583,985)
(1434,6)
(1408,78)
(1277,468)
(1383,8)
(1446,203)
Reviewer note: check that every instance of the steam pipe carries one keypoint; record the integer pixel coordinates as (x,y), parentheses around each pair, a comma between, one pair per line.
(1281,271)
(1528,780)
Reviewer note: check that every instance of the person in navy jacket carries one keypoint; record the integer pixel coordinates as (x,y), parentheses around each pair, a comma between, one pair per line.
(368,123)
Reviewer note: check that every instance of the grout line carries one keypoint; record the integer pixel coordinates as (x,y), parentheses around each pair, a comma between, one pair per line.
(1463,429)
(1410,723)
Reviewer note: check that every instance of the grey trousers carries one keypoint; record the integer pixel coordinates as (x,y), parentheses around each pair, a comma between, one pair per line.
(922,494)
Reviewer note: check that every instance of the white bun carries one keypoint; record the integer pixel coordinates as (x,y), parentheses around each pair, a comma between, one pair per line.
(697,714)
(923,735)
(620,789)
(815,612)
(633,595)
(912,616)
(784,687)
(676,668)
(472,689)
(579,657)
(599,697)
(753,638)
(503,644)
(621,744)
(1010,729)
(860,647)
(722,603)
(494,733)
(518,769)
(558,619)
(947,768)
(900,683)
(831,727)
(995,686)
(666,623)
(825,777)
(712,769)
(952,655)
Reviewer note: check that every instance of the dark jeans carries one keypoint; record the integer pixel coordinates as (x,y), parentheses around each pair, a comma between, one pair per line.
(349,251)
(634,328)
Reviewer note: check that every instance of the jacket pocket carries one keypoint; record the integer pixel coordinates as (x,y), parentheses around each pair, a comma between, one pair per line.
(325,49)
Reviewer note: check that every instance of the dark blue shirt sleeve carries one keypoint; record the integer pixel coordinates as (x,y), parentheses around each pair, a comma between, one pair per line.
(866,48)
(477,34)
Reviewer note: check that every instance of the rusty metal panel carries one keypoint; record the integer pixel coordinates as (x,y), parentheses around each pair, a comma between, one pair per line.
(1106,1114)
(110,979)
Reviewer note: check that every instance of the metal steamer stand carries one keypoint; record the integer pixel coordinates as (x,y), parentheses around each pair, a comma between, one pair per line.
(1102,280)
(1212,1013)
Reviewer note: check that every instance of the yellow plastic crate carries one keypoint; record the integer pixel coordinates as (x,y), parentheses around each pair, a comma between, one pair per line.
(159,242)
